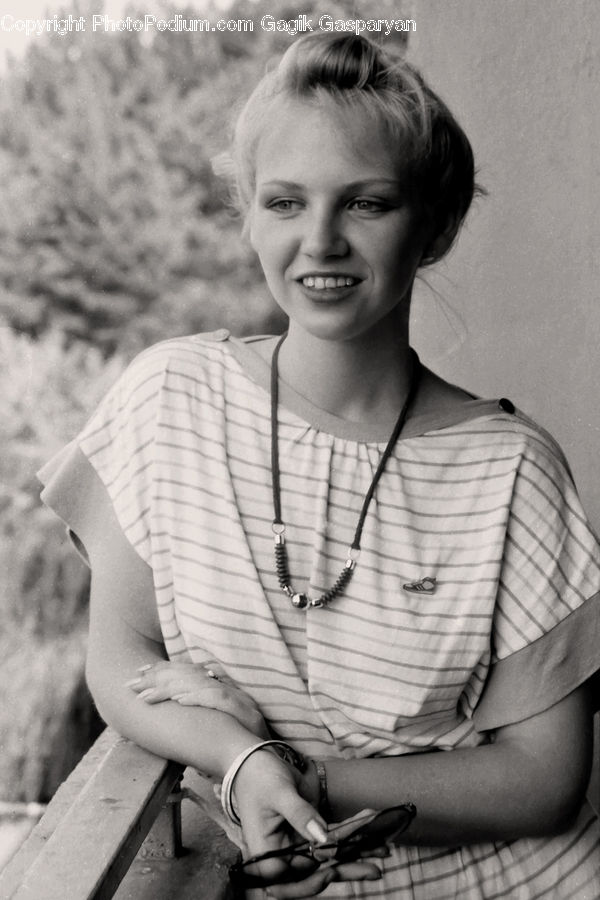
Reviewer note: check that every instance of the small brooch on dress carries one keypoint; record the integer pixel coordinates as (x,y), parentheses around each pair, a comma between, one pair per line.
(425,585)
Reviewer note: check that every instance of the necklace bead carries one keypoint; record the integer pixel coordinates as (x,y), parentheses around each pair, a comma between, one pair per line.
(301,600)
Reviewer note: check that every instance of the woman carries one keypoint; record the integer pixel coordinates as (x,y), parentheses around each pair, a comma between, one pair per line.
(445,657)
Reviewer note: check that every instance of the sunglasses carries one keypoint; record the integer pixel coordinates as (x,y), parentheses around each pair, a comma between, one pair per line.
(372,832)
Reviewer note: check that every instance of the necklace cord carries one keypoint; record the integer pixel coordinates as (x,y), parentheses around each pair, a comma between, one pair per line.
(278,526)
(274,431)
(414,378)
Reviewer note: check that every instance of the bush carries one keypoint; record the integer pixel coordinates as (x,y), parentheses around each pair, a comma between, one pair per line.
(110,212)
(46,718)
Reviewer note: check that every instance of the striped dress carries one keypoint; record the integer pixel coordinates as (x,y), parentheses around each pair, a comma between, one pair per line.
(483,503)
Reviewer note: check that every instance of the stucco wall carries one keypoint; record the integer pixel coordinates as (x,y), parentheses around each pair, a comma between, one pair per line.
(522,76)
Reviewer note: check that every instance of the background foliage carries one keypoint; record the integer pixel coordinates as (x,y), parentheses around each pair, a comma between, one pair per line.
(114,233)
(46,719)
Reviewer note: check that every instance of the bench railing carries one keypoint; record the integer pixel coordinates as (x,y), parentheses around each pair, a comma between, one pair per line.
(120,807)
(118,797)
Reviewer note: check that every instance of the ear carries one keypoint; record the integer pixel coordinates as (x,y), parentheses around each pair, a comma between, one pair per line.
(441,242)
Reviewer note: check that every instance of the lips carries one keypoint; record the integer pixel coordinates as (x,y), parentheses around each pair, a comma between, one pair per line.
(328,282)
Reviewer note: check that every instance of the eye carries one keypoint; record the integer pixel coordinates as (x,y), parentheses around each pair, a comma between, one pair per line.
(283,204)
(370,205)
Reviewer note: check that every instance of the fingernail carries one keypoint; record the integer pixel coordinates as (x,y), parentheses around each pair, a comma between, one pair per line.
(375,875)
(316,831)
(145,693)
(145,668)
(133,682)
(177,696)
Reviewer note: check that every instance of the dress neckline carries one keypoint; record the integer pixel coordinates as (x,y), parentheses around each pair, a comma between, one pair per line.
(258,369)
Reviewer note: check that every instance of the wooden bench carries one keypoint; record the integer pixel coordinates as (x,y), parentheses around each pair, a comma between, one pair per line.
(113,829)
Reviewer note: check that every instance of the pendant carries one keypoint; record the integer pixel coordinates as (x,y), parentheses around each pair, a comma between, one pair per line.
(300,601)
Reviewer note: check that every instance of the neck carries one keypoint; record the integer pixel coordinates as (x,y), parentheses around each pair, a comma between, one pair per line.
(364,379)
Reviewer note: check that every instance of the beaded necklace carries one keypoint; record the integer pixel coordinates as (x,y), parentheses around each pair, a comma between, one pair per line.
(300,600)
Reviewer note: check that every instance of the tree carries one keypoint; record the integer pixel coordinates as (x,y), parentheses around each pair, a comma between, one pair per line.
(113,226)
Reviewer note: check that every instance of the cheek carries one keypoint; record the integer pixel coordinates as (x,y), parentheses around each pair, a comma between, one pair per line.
(271,247)
(396,263)
(404,257)
(267,255)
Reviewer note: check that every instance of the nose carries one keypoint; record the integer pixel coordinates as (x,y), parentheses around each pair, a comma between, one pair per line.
(324,235)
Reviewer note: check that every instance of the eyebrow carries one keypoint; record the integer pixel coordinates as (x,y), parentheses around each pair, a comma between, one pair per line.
(352,186)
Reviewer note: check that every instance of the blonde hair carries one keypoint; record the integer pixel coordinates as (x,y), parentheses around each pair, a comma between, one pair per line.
(345,72)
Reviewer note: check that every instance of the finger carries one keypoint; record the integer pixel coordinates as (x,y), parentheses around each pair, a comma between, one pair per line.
(358,871)
(348,826)
(173,691)
(149,696)
(154,666)
(161,667)
(153,674)
(324,876)
(195,698)
(302,816)
(171,679)
(378,852)
(148,676)
(154,695)
(187,670)
(178,684)
(214,698)
(142,682)
(308,887)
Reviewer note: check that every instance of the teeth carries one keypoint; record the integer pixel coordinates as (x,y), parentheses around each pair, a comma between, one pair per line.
(320,283)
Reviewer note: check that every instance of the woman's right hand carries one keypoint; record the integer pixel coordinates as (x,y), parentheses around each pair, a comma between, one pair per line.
(189,684)
(274,815)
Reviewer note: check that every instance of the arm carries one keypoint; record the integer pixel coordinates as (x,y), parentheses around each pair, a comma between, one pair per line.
(530,781)
(527,750)
(125,635)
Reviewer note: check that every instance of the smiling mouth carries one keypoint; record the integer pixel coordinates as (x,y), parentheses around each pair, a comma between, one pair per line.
(327,282)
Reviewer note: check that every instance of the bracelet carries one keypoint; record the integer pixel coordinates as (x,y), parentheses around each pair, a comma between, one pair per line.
(323,805)
(288,754)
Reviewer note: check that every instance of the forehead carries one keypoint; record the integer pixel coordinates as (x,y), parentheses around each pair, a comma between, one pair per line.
(306,143)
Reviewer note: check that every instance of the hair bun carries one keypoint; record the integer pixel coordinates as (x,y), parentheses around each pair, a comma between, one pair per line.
(341,62)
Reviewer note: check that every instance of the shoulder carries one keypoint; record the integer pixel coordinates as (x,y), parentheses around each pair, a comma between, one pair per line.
(505,424)
(191,358)
(184,365)
(195,349)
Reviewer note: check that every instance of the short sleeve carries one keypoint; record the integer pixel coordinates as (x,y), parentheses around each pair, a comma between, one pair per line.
(73,490)
(106,472)
(546,628)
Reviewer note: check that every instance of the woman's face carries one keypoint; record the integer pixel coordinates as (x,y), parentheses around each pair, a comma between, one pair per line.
(337,230)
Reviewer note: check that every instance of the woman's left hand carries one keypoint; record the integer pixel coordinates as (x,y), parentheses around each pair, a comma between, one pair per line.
(268,799)
(190,684)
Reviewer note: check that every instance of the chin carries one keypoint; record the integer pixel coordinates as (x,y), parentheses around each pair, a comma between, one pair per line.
(334,330)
